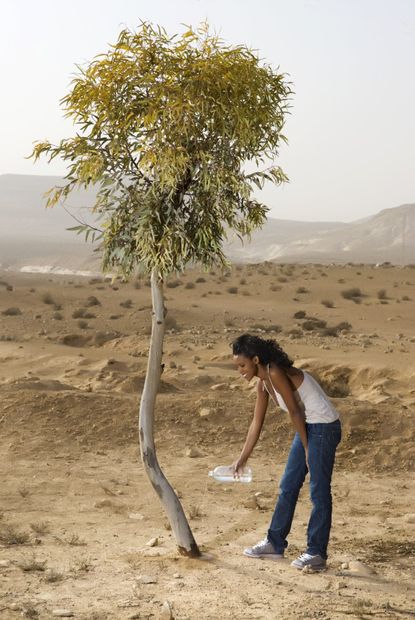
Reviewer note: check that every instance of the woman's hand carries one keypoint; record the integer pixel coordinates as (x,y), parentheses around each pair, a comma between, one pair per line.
(237,467)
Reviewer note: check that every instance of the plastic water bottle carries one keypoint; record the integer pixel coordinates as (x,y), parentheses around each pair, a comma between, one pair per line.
(224,473)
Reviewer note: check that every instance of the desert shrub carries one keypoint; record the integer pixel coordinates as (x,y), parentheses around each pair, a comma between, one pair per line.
(343,325)
(57,307)
(233,290)
(200,280)
(82,324)
(229,322)
(126,304)
(9,535)
(313,324)
(246,293)
(282,279)
(295,332)
(300,314)
(171,323)
(301,290)
(242,281)
(327,303)
(406,298)
(95,281)
(12,311)
(381,294)
(275,287)
(137,284)
(354,294)
(91,301)
(47,298)
(189,285)
(173,283)
(58,316)
(81,313)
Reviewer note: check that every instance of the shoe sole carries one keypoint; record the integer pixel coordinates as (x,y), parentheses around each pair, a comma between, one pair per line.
(264,556)
(313,568)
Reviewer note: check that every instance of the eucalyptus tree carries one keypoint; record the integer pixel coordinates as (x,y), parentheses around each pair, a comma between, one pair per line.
(174,133)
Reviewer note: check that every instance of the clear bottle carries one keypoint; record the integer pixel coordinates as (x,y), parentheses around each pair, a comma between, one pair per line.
(224,473)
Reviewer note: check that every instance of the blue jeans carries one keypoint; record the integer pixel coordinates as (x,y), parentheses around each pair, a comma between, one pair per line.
(322,442)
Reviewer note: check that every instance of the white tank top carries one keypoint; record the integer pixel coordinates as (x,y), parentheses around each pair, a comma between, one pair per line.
(312,399)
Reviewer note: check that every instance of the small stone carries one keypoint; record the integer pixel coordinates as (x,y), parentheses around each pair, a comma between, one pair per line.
(136,516)
(153,542)
(308,569)
(345,566)
(177,576)
(193,453)
(147,579)
(340,585)
(166,611)
(62,613)
(409,518)
(204,412)
(4,563)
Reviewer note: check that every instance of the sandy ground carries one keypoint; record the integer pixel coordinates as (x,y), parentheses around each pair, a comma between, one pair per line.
(77,510)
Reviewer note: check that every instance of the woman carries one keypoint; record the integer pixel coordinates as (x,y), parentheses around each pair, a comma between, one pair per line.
(318,433)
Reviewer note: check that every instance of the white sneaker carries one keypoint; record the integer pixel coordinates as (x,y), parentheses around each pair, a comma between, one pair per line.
(315,562)
(263,549)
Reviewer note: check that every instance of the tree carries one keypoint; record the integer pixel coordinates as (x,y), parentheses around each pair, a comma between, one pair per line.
(167,129)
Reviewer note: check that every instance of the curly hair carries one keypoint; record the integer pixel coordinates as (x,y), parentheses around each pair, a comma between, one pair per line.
(266,350)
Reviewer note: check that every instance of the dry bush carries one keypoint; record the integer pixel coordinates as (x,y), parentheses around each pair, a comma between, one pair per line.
(126,304)
(282,279)
(91,301)
(300,314)
(406,298)
(381,294)
(13,311)
(354,294)
(47,299)
(41,528)
(53,576)
(200,280)
(189,285)
(82,313)
(242,281)
(312,324)
(32,564)
(171,323)
(24,491)
(82,324)
(173,283)
(295,332)
(301,290)
(57,316)
(137,284)
(75,541)
(195,512)
(233,290)
(266,328)
(246,293)
(9,535)
(275,287)
(328,303)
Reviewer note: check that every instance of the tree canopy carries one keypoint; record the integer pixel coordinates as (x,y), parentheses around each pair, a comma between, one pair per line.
(168,129)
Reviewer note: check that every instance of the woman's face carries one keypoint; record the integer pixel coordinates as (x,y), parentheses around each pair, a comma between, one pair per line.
(246,366)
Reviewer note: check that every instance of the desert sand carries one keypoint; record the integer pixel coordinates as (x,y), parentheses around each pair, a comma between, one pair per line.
(81,528)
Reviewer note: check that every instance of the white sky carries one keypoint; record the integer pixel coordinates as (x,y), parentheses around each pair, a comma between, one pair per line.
(351,132)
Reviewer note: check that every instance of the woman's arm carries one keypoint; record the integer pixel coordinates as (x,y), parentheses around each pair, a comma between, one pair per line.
(283,387)
(255,427)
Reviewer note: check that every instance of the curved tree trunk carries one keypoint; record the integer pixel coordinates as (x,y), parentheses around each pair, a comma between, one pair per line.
(180,527)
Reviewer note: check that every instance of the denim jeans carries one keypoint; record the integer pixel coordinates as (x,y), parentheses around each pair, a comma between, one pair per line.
(322,442)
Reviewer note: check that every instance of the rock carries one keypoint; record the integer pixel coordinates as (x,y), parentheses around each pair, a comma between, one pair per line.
(340,585)
(308,569)
(219,386)
(193,453)
(136,516)
(4,563)
(166,611)
(345,566)
(358,567)
(204,412)
(147,579)
(409,518)
(62,613)
(153,542)
(177,576)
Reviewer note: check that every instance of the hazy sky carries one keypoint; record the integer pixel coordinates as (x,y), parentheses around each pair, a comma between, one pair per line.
(351,131)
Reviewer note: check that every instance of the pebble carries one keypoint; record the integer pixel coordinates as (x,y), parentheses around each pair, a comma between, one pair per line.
(345,566)
(4,563)
(177,576)
(204,412)
(62,613)
(153,542)
(193,453)
(308,569)
(166,611)
(136,515)
(409,518)
(146,579)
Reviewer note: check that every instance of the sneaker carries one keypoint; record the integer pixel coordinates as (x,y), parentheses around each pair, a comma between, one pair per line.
(315,562)
(263,549)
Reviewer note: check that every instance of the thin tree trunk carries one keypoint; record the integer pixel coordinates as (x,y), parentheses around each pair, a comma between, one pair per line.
(180,527)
